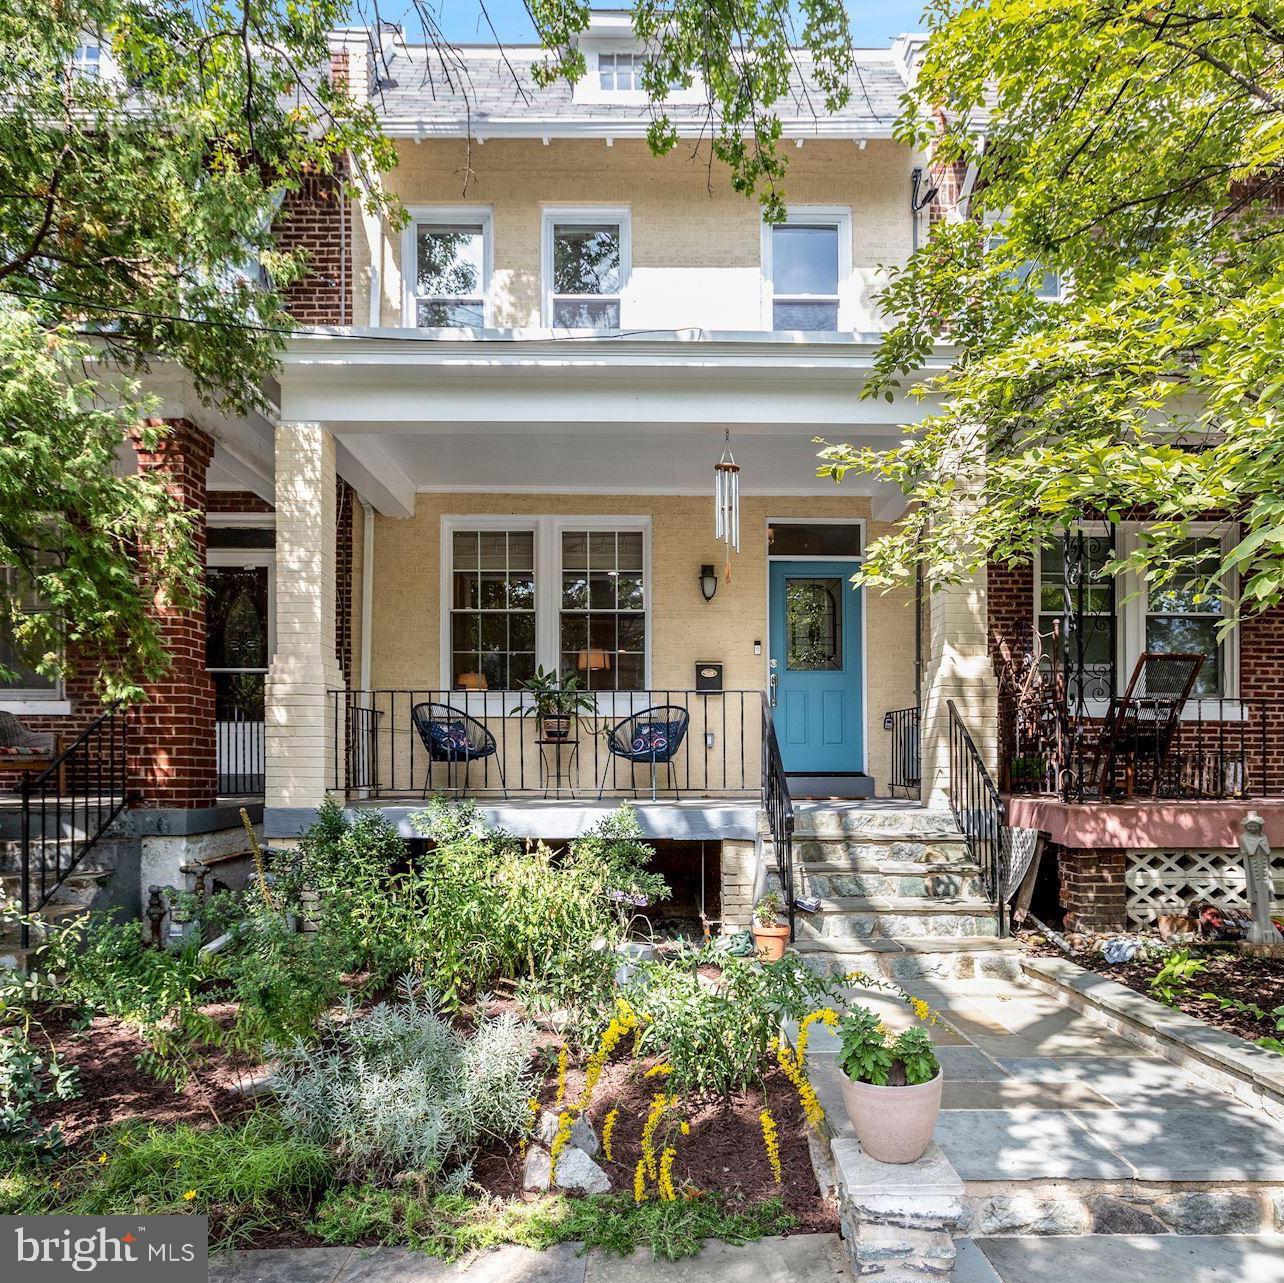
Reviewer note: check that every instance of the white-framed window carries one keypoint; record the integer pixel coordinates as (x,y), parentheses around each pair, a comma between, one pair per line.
(1046,283)
(566,593)
(447,257)
(25,685)
(1125,617)
(586,261)
(87,60)
(620,71)
(806,263)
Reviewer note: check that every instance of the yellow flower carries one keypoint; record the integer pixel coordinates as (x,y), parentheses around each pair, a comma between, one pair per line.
(57,1184)
(771,1142)
(563,1058)
(686,1128)
(665,1181)
(793,1070)
(658,1106)
(658,1071)
(191,1194)
(639,1181)
(102,1158)
(564,1124)
(921,1009)
(532,1111)
(608,1130)
(827,1016)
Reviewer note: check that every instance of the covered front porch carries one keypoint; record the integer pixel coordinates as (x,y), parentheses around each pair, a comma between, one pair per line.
(518,505)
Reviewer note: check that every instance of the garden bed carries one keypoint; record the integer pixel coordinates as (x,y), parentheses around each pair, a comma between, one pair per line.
(1238,978)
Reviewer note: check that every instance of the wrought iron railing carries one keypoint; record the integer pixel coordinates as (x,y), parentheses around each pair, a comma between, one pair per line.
(906,770)
(239,732)
(1218,748)
(69,806)
(978,810)
(779,809)
(379,752)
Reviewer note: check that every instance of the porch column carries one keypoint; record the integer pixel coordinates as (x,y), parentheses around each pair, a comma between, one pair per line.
(957,665)
(301,738)
(173,761)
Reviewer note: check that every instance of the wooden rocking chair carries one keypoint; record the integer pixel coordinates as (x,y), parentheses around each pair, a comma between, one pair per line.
(1141,724)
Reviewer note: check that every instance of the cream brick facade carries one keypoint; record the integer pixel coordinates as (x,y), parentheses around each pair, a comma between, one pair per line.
(407,623)
(696,244)
(300,734)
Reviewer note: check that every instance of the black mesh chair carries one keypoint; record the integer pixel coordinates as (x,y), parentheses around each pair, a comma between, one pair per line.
(652,736)
(451,736)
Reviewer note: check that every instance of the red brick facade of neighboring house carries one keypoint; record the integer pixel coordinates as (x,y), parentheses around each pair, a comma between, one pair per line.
(1092,880)
(238,502)
(173,753)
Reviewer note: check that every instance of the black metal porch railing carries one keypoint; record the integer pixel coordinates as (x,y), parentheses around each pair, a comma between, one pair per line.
(906,771)
(1219,749)
(379,753)
(779,809)
(978,810)
(239,731)
(69,806)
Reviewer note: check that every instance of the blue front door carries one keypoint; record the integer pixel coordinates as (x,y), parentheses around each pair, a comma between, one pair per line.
(816,657)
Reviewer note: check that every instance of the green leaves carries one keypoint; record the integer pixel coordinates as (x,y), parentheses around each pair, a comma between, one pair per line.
(136,205)
(1134,149)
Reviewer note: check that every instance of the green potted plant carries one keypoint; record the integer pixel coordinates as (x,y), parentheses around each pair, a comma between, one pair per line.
(770,936)
(891,1085)
(554,702)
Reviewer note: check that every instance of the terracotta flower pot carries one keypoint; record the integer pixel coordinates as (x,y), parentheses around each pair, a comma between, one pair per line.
(769,942)
(893,1124)
(556,728)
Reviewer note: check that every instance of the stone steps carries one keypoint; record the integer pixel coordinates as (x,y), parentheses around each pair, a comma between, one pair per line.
(905,879)
(908,960)
(869,918)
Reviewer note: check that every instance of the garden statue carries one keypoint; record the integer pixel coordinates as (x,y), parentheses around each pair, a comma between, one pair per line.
(1256,853)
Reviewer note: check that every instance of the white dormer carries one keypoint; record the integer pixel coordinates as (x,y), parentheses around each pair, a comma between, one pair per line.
(615,59)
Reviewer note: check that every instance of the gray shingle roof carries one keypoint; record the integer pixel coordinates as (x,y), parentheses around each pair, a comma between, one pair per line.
(480,85)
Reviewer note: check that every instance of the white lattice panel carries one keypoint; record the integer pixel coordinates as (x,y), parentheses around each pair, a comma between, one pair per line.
(1172,881)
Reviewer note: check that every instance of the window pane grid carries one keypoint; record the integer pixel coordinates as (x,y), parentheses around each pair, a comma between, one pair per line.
(587,275)
(1181,617)
(602,624)
(492,608)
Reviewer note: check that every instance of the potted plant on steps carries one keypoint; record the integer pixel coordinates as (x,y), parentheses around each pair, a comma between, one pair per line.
(554,702)
(770,936)
(891,1086)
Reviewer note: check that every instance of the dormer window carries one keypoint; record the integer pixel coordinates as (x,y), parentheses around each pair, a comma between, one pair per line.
(617,71)
(88,59)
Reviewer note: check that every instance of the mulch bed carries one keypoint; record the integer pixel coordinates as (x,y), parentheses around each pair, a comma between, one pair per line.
(723,1152)
(1230,974)
(113,1089)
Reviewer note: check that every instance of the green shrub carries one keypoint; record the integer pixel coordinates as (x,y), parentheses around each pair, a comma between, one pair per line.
(30,1076)
(246,1176)
(479,906)
(400,1089)
(716,1037)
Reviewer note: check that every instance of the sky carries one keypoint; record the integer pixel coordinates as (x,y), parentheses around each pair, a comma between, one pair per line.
(873,23)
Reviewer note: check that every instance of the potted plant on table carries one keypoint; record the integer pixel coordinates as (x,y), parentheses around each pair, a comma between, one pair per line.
(770,936)
(891,1085)
(554,702)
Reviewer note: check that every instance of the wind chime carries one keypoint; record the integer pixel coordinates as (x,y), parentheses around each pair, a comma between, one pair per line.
(726,503)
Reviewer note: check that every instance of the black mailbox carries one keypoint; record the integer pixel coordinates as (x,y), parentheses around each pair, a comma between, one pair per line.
(708,676)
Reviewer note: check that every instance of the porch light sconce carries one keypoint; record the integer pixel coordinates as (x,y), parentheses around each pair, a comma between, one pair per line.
(708,582)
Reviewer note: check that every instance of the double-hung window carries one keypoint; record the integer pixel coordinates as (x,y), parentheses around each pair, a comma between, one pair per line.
(1183,616)
(586,266)
(806,260)
(1118,618)
(563,593)
(22,681)
(448,256)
